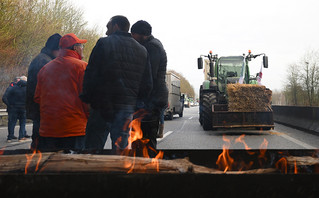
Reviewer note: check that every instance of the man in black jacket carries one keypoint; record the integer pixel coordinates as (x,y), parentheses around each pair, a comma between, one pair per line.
(48,53)
(117,77)
(14,98)
(142,32)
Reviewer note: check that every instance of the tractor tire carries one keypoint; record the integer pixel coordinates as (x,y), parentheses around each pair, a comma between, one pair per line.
(208,100)
(200,106)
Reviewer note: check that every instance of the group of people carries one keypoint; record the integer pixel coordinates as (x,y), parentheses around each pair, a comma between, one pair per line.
(76,105)
(14,98)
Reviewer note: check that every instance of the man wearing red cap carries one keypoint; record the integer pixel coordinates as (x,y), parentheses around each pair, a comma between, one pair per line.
(63,114)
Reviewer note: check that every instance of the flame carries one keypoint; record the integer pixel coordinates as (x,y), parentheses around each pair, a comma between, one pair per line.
(224,160)
(240,140)
(263,148)
(155,160)
(137,145)
(296,168)
(29,159)
(2,150)
(282,165)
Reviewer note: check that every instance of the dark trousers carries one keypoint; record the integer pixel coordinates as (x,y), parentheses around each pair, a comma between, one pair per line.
(65,143)
(15,114)
(97,130)
(149,126)
(35,133)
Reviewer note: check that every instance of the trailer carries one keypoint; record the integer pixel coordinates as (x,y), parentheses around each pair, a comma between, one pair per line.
(175,98)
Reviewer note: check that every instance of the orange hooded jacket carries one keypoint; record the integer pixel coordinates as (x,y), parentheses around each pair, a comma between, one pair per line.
(62,112)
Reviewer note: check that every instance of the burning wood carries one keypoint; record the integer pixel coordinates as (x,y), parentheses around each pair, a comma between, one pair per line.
(87,163)
(248,98)
(66,163)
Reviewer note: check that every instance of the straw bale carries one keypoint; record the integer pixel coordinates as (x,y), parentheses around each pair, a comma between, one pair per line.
(248,98)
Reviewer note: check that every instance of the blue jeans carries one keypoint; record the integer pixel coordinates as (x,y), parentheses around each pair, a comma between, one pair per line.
(162,116)
(14,114)
(97,130)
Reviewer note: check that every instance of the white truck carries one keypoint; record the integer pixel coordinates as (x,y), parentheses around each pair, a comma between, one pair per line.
(175,99)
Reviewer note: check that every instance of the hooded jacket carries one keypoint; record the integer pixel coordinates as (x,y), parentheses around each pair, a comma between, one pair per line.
(14,96)
(118,74)
(33,110)
(63,114)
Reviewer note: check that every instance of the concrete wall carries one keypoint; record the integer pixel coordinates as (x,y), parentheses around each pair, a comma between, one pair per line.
(306,118)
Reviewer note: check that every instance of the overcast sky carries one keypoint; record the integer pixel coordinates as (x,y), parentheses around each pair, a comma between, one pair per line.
(283,29)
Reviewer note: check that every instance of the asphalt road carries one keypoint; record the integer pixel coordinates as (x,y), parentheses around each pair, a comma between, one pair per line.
(186,133)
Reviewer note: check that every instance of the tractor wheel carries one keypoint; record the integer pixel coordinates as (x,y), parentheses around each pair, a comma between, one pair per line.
(208,100)
(200,105)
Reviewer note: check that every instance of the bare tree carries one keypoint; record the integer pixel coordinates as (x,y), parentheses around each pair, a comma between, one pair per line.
(292,87)
(25,26)
(310,75)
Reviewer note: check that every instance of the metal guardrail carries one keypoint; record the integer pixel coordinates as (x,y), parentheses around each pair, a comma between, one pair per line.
(306,118)
(3,112)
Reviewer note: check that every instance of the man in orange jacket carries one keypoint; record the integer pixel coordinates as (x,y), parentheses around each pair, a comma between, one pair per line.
(63,114)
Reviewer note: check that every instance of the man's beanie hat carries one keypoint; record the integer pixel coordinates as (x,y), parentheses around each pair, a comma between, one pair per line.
(142,27)
(53,42)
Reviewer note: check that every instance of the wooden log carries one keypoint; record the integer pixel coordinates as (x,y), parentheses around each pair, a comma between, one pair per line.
(86,163)
(22,163)
(119,164)
(302,161)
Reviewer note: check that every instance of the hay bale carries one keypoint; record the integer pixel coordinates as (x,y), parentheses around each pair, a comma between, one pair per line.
(248,98)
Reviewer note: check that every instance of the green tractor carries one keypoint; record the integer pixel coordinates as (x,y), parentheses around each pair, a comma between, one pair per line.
(213,105)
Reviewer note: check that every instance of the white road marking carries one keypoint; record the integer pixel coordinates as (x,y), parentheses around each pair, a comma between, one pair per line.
(165,135)
(190,118)
(300,143)
(17,142)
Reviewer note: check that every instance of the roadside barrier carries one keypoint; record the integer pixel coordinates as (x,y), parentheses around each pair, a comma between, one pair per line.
(3,114)
(306,118)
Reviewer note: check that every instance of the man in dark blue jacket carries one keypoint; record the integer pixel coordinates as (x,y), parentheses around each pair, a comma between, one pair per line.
(118,75)
(48,53)
(142,32)
(14,98)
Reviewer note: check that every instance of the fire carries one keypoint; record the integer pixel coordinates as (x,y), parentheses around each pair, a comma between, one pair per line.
(240,140)
(2,150)
(282,165)
(296,168)
(137,145)
(263,148)
(224,160)
(29,159)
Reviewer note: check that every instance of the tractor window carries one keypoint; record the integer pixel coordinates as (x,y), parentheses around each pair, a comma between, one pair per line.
(230,66)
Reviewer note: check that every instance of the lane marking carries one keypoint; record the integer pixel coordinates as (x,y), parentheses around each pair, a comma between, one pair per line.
(17,142)
(165,135)
(300,143)
(190,118)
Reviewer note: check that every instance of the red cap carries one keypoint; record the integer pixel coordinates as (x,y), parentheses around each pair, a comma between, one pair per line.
(70,39)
